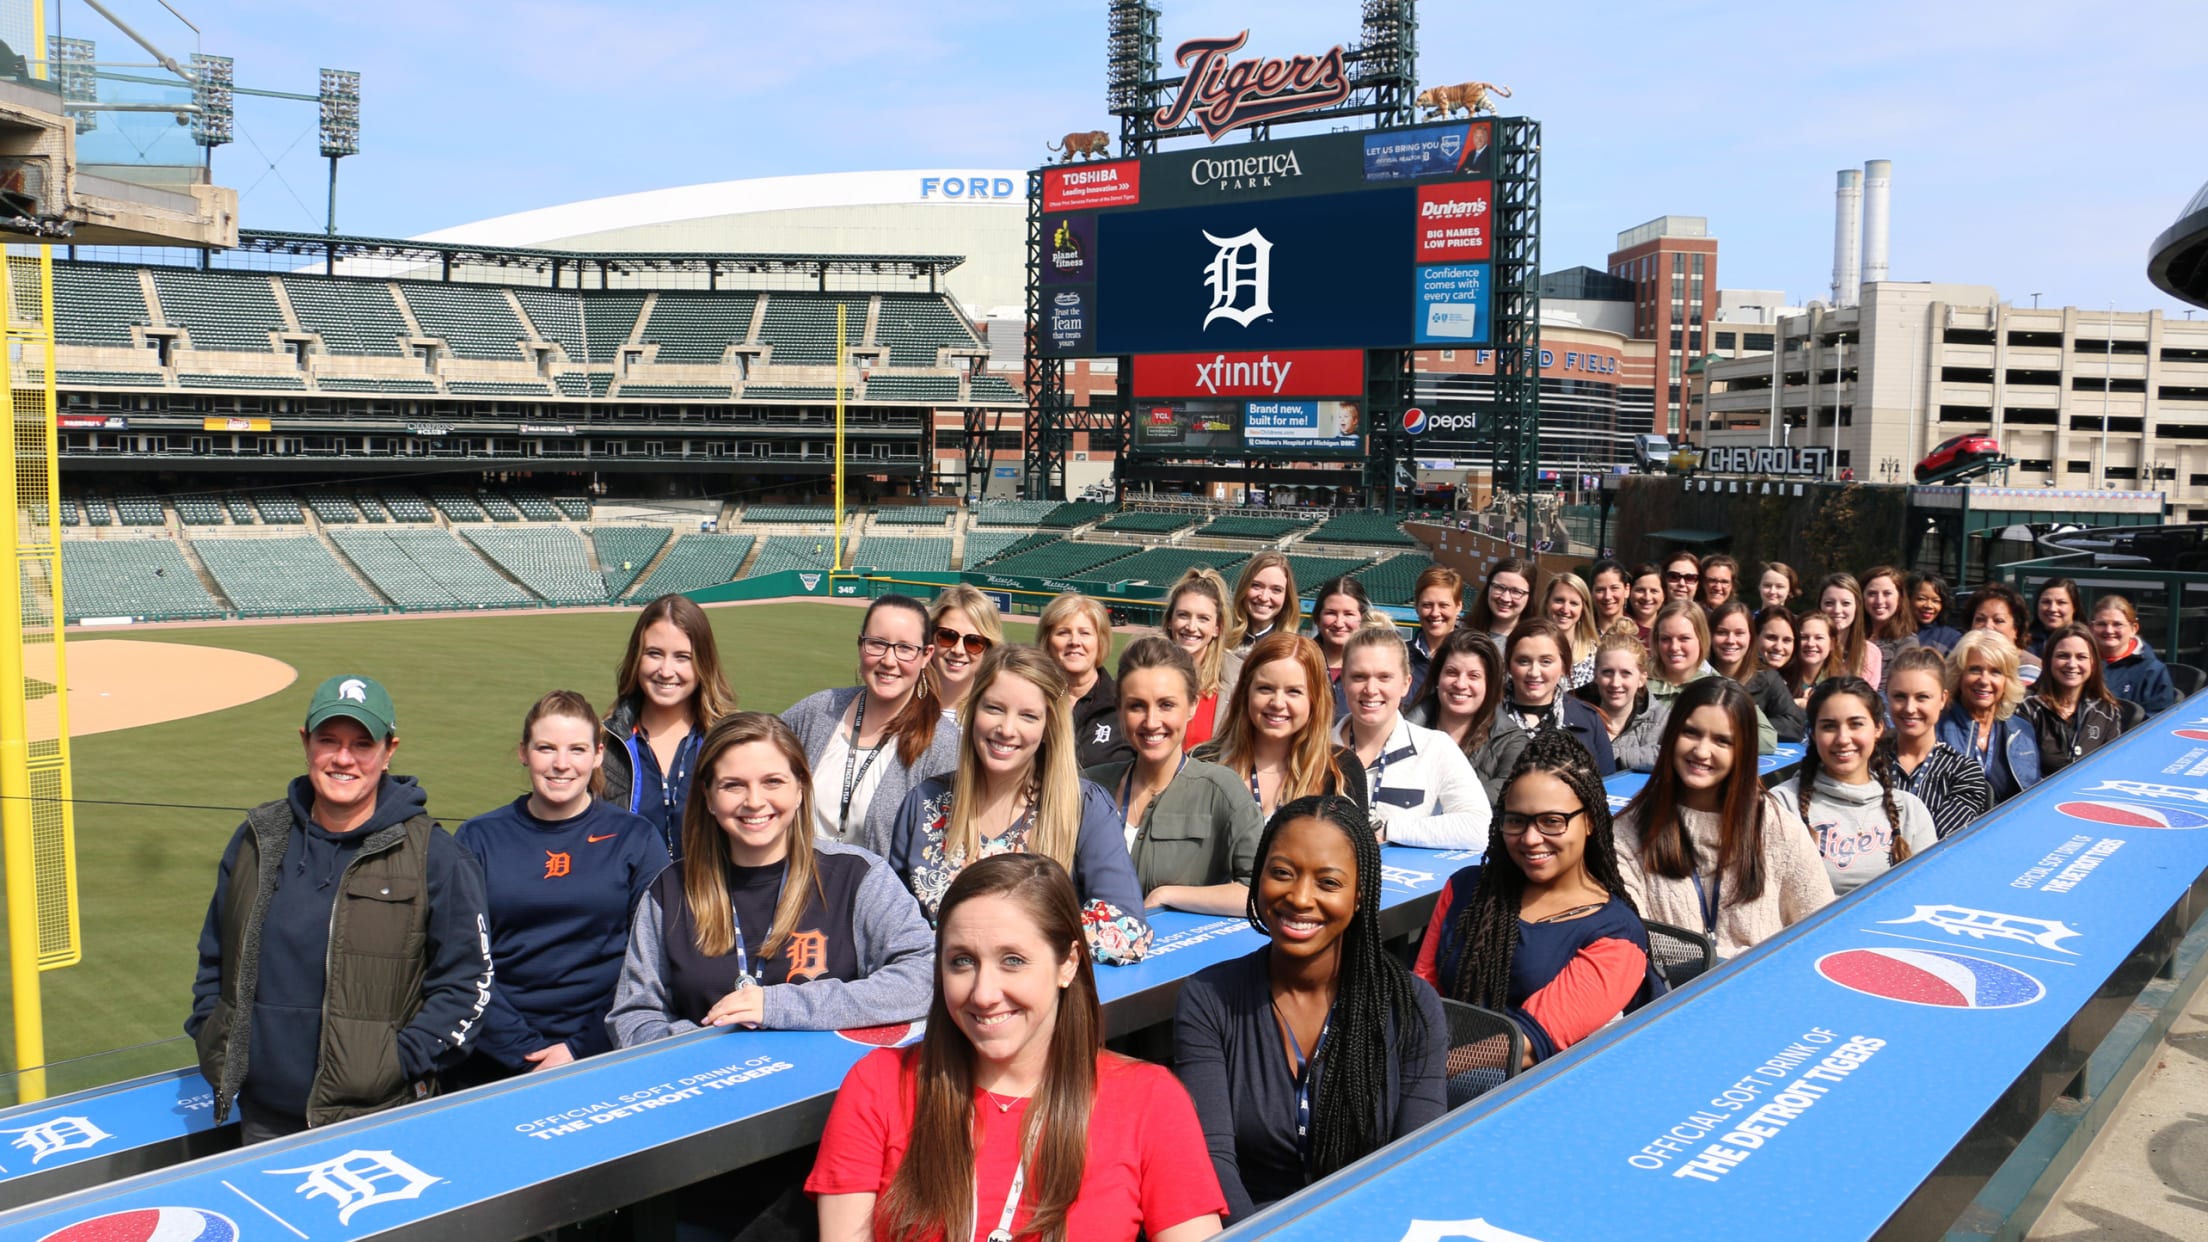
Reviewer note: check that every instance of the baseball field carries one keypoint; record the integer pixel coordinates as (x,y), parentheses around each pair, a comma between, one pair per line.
(156,802)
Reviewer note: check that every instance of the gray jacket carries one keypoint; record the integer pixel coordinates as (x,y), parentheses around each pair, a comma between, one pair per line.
(815,720)
(1637,744)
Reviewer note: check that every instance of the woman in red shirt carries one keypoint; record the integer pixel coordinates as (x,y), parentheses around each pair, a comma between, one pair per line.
(1009,1118)
(1199,622)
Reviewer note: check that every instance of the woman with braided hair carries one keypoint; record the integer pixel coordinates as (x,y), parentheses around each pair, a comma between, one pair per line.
(1318,1048)
(1845,790)
(1541,928)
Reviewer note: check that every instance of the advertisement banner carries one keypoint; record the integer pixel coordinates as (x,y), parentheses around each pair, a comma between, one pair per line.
(1069,255)
(1081,187)
(1312,164)
(1197,424)
(1460,150)
(1069,324)
(1453,302)
(1453,221)
(234,424)
(1279,373)
(1304,426)
(91,422)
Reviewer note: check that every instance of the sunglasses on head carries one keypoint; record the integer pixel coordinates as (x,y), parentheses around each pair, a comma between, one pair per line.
(948,638)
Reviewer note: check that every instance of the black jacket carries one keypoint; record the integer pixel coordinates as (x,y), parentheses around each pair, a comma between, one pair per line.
(2092,725)
(1097,737)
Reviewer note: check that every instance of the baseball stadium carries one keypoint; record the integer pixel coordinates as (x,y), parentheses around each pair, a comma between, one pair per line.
(1130,454)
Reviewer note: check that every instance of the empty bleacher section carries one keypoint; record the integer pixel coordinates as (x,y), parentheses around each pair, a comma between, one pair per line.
(139,509)
(398,387)
(405,506)
(802,329)
(1058,558)
(938,388)
(695,561)
(328,505)
(901,554)
(789,515)
(147,579)
(283,577)
(558,316)
(534,506)
(1012,512)
(624,551)
(95,304)
(352,316)
(1235,526)
(500,508)
(241,509)
(71,515)
(194,508)
(994,388)
(268,383)
(459,505)
(108,379)
(576,507)
(427,569)
(1310,571)
(1162,566)
(783,552)
(583,385)
(792,392)
(475,321)
(220,310)
(1074,513)
(97,512)
(678,392)
(549,560)
(983,545)
(497,388)
(1149,523)
(1375,528)
(278,509)
(912,515)
(1391,580)
(915,327)
(699,327)
(609,318)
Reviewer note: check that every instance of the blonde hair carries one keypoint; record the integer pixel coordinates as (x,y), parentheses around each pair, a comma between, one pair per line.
(978,608)
(1211,664)
(705,856)
(1310,756)
(1290,619)
(1583,633)
(1061,609)
(1053,783)
(1992,647)
(1693,613)
(1627,641)
(712,699)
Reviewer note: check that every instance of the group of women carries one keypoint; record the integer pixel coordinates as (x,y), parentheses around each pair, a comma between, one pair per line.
(967,832)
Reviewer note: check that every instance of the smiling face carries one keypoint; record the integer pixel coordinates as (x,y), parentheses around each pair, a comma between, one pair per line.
(1307,888)
(1461,686)
(886,674)
(1506,598)
(1531,798)
(561,754)
(1926,601)
(755,798)
(1265,596)
(2070,662)
(2055,610)
(1338,618)
(1565,607)
(1009,715)
(1647,596)
(1775,643)
(1704,754)
(1994,614)
(2114,632)
(1154,706)
(1193,622)
(1881,598)
(666,667)
(1536,669)
(1437,614)
(1682,578)
(1717,585)
(1846,732)
(1074,646)
(1814,642)
(1981,686)
(345,763)
(1915,697)
(1280,699)
(1375,677)
(1729,639)
(1678,650)
(954,668)
(1001,980)
(1839,604)
(1618,679)
(1610,591)
(1773,589)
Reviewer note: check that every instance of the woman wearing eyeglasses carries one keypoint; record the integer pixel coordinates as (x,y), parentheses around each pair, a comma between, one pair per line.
(964,625)
(1500,604)
(868,745)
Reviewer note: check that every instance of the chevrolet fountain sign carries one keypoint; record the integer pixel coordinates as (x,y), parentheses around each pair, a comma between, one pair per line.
(1799,463)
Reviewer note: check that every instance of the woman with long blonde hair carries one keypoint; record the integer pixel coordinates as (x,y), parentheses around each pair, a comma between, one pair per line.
(1567,601)
(761,924)
(963,625)
(1279,735)
(1018,790)
(1199,622)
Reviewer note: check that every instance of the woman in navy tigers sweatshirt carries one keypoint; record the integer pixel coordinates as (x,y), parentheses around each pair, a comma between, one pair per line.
(563,872)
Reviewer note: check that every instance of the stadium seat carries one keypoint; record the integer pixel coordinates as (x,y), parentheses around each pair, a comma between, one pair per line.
(609,318)
(328,505)
(278,509)
(941,389)
(139,509)
(801,328)
(234,311)
(500,508)
(549,560)
(497,388)
(898,554)
(984,545)
(241,509)
(145,579)
(456,504)
(97,304)
(698,328)
(1074,513)
(97,512)
(1061,558)
(1149,523)
(405,506)
(427,569)
(913,515)
(916,326)
(577,508)
(695,561)
(789,515)
(1310,571)
(676,392)
(474,321)
(624,551)
(1235,526)
(1485,1050)
(558,316)
(1680,955)
(572,384)
(995,389)
(397,387)
(243,382)
(356,317)
(2188,679)
(108,379)
(534,506)
(200,509)
(1374,528)
(784,552)
(1013,512)
(283,577)
(801,393)
(1164,566)
(1391,581)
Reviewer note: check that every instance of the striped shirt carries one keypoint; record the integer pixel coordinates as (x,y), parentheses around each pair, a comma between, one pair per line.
(1951,785)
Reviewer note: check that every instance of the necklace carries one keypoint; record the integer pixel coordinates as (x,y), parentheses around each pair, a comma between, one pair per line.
(1003,1105)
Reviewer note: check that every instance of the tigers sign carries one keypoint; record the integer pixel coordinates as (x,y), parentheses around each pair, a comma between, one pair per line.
(1224,95)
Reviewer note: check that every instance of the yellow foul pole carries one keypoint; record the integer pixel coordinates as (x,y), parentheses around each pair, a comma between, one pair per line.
(836,563)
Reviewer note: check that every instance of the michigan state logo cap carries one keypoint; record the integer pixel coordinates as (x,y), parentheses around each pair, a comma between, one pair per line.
(360,698)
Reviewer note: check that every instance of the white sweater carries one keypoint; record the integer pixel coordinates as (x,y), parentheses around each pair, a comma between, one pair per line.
(1424,790)
(1794,883)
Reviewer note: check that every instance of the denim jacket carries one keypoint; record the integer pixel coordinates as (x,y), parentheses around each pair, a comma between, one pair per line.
(2018,741)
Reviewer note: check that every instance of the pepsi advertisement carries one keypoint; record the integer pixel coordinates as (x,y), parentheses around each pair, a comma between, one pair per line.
(1298,273)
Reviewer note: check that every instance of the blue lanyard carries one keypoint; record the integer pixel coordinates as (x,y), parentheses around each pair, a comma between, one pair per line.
(1708,900)
(745,976)
(1303,1079)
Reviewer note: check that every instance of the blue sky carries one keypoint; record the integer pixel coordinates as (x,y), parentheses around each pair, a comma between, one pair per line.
(2038,146)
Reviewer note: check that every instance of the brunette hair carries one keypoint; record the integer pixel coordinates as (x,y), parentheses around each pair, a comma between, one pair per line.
(1939,587)
(1158,651)
(1376,1005)
(1847,645)
(1487,931)
(1211,665)
(1784,616)
(1713,561)
(1784,570)
(915,723)
(1482,615)
(705,856)
(1903,623)
(1691,612)
(2095,688)
(712,699)
(1681,554)
(1641,571)
(1748,665)
(1801,674)
(1311,764)
(1291,605)
(1054,780)
(1608,566)
(1466,641)
(1534,628)
(2077,600)
(1994,647)
(1881,757)
(931,1194)
(574,706)
(2020,613)
(1583,633)
(1666,847)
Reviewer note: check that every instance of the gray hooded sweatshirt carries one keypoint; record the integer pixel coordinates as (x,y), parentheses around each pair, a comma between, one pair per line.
(1852,831)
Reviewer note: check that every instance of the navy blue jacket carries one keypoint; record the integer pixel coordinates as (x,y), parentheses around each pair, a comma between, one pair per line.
(561,894)
(2014,739)
(2142,678)
(635,782)
(295,945)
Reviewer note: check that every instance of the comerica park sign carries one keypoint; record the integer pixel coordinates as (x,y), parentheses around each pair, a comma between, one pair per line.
(1798,463)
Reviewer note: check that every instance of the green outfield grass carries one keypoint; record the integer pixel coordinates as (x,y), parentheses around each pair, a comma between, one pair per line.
(461,685)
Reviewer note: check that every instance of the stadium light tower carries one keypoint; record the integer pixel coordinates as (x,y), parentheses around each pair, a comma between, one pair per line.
(340,125)
(214,89)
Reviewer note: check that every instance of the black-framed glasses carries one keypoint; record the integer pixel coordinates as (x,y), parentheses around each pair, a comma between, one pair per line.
(879,647)
(948,638)
(1547,823)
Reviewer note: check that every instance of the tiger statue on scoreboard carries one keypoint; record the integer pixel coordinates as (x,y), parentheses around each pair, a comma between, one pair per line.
(1472,97)
(1094,144)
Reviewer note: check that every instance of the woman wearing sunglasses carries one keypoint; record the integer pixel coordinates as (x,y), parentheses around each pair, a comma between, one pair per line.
(963,623)
(870,744)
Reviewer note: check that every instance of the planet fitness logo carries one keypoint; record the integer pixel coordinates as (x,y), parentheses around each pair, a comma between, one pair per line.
(1414,422)
(162,1224)
(1932,978)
